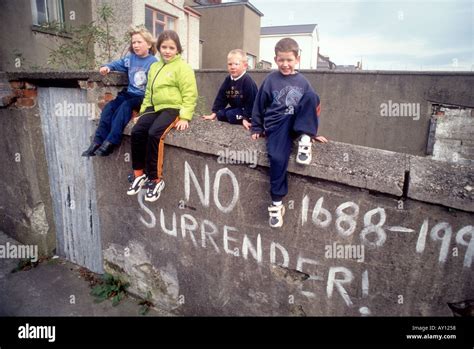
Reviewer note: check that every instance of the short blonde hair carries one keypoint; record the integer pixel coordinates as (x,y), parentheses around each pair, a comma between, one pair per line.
(146,36)
(240,52)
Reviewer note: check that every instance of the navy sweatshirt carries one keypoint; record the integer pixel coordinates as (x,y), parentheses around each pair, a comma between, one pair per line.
(281,96)
(237,94)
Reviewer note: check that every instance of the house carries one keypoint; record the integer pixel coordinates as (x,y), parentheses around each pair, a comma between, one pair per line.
(227,26)
(177,15)
(306,35)
(29,28)
(158,15)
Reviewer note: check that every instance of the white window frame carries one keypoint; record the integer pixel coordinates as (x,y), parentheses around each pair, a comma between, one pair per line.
(252,60)
(168,22)
(54,12)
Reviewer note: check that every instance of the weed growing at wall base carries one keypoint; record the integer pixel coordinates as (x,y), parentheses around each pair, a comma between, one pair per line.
(111,287)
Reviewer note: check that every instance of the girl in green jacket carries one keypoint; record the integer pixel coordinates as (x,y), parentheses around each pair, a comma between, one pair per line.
(170,99)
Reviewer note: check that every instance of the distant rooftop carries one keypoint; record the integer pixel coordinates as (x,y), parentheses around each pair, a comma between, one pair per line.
(228,4)
(288,29)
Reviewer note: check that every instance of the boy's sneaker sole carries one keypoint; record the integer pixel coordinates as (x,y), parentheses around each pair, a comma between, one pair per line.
(137,185)
(304,153)
(276,218)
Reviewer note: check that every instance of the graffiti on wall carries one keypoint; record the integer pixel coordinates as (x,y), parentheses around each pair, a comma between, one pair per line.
(373,232)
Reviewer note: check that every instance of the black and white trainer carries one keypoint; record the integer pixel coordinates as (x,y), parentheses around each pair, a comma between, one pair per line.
(136,184)
(154,190)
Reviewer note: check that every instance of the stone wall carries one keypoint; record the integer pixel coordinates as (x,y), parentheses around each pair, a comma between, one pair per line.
(367,231)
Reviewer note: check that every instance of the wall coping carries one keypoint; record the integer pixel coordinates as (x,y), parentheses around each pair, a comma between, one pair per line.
(94,75)
(388,172)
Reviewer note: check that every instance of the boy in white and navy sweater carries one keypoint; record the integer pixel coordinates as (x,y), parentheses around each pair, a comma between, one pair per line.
(234,101)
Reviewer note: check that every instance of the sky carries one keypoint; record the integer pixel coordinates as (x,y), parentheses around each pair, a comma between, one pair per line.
(384,34)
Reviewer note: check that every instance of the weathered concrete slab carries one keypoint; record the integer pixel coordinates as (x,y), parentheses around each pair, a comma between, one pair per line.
(361,167)
(25,203)
(54,288)
(209,232)
(49,77)
(444,183)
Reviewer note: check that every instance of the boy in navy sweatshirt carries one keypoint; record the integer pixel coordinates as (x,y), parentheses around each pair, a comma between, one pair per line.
(286,107)
(238,91)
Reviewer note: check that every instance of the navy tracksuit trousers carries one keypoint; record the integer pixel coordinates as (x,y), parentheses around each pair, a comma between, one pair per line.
(280,139)
(231,115)
(115,116)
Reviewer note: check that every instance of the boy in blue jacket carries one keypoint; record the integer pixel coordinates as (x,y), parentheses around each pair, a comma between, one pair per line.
(286,107)
(117,113)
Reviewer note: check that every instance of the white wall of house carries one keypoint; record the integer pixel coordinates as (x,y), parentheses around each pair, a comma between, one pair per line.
(186,25)
(308,44)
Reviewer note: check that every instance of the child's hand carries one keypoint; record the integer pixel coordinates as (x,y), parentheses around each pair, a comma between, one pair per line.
(209,117)
(256,136)
(104,70)
(321,139)
(182,125)
(246,124)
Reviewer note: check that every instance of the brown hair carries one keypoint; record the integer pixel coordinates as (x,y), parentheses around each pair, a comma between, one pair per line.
(170,35)
(146,35)
(287,45)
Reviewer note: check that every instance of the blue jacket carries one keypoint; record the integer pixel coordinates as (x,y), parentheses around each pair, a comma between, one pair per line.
(137,69)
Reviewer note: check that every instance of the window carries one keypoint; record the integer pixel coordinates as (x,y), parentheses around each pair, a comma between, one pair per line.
(46,12)
(251,60)
(156,21)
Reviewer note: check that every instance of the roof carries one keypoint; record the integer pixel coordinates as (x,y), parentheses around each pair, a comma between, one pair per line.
(228,4)
(288,29)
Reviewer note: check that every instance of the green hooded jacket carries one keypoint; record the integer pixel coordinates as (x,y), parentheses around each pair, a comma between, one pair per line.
(171,85)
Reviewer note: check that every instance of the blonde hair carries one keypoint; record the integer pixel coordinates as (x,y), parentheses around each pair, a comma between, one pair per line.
(146,35)
(240,52)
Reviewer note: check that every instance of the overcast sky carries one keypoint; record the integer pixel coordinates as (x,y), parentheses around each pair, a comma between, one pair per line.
(412,35)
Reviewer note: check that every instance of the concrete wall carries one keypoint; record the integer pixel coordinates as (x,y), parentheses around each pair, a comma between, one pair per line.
(205,247)
(453,131)
(251,26)
(26,211)
(17,35)
(352,103)
(224,28)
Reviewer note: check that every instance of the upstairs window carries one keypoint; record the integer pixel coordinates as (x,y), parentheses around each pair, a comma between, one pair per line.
(46,12)
(156,21)
(251,59)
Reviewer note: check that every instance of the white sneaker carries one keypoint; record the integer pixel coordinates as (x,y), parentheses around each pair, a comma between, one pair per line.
(304,150)
(137,184)
(154,190)
(276,215)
